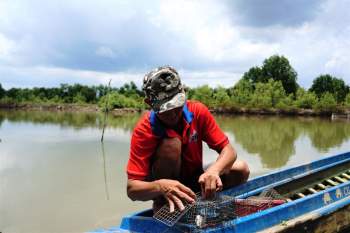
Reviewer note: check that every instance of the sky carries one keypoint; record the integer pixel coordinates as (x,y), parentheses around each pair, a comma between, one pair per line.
(46,43)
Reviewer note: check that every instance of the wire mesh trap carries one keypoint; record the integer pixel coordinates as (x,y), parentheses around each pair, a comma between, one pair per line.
(163,214)
(207,213)
(210,213)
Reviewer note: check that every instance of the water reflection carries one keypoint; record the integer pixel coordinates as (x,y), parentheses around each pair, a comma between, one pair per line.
(104,169)
(57,157)
(325,134)
(273,138)
(76,120)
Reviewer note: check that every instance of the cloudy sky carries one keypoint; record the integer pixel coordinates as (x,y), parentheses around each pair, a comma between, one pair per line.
(45,43)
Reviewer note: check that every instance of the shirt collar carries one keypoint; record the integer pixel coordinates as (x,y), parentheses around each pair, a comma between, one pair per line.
(157,126)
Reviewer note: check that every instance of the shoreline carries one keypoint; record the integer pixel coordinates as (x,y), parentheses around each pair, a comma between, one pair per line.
(218,111)
(67,108)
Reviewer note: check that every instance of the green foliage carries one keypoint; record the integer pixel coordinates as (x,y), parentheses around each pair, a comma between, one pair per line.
(242,92)
(79,98)
(277,68)
(189,92)
(305,99)
(221,97)
(327,83)
(55,100)
(7,100)
(204,94)
(273,85)
(254,75)
(2,91)
(327,102)
(130,89)
(261,97)
(268,95)
(347,100)
(286,103)
(116,100)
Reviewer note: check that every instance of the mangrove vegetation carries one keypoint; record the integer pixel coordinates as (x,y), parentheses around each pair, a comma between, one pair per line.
(271,86)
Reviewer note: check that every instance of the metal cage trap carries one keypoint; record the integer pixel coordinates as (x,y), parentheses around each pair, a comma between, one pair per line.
(210,213)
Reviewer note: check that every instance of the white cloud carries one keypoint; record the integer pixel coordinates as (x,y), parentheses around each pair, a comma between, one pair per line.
(89,42)
(211,78)
(6,47)
(53,76)
(105,52)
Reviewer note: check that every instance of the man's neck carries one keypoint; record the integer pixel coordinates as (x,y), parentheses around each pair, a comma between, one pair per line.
(178,127)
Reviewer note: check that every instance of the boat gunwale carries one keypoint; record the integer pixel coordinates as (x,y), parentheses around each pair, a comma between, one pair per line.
(260,183)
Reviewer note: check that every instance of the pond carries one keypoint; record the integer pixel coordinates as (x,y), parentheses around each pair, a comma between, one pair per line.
(56,176)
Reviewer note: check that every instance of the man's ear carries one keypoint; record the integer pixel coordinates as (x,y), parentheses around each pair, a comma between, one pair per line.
(147,101)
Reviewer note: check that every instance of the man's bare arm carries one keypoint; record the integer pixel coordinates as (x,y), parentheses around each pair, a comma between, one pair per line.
(210,180)
(225,160)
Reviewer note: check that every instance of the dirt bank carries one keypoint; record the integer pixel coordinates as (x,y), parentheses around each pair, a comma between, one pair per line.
(221,111)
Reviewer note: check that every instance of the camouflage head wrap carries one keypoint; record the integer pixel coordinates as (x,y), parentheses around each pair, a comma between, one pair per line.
(164,89)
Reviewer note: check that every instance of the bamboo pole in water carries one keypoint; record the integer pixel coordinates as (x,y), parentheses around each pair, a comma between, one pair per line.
(106,110)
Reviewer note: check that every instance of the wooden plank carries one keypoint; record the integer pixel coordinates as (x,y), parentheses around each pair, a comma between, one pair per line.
(311,190)
(341,180)
(321,186)
(331,182)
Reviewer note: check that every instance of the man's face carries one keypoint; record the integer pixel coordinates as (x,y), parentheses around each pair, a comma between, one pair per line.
(171,117)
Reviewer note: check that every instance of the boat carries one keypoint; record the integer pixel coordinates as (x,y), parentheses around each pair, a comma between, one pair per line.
(317,200)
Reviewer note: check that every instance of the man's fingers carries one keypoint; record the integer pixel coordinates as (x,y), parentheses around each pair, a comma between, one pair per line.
(208,189)
(171,204)
(188,192)
(219,184)
(178,203)
(212,188)
(203,189)
(185,196)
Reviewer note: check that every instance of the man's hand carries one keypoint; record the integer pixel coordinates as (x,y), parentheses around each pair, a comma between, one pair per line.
(174,192)
(210,183)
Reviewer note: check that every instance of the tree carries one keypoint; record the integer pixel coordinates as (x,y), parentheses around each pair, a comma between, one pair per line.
(267,95)
(2,92)
(305,99)
(279,69)
(222,99)
(204,94)
(327,83)
(130,89)
(327,102)
(242,92)
(254,75)
(79,98)
(347,100)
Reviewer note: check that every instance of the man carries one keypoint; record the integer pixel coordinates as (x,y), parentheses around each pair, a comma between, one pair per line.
(165,163)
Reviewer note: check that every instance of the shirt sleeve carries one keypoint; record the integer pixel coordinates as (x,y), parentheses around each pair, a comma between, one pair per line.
(212,134)
(142,147)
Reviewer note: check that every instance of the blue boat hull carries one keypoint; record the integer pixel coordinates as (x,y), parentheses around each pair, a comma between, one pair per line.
(307,210)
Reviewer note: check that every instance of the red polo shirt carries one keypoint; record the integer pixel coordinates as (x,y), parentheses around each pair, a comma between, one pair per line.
(199,125)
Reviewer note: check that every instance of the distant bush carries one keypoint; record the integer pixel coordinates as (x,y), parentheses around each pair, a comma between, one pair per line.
(272,85)
(221,97)
(116,100)
(327,102)
(204,94)
(327,83)
(305,99)
(241,93)
(347,101)
(268,95)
